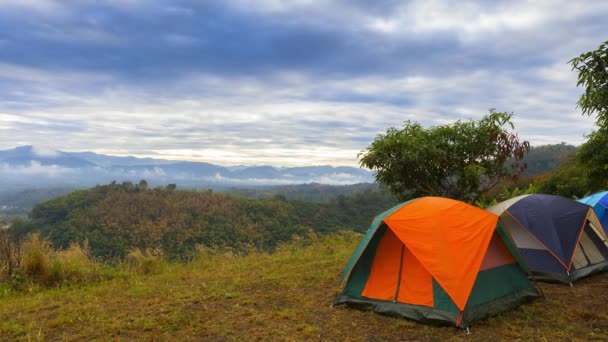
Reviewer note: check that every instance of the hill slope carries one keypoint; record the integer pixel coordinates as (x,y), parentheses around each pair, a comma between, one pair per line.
(281,296)
(118,217)
(21,202)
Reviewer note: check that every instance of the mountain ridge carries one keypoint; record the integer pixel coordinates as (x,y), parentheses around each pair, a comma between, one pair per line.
(39,166)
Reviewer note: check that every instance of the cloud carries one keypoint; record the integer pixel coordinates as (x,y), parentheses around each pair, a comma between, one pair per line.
(154,173)
(35,174)
(44,151)
(287,121)
(331,179)
(35,169)
(283,82)
(44,7)
(16,72)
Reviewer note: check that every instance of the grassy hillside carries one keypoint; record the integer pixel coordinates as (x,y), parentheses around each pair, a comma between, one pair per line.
(281,296)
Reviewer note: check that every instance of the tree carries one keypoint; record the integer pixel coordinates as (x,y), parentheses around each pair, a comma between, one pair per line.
(592,68)
(592,157)
(462,160)
(143,185)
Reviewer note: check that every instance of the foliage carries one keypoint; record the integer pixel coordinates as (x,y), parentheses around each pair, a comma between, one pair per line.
(542,162)
(351,212)
(592,68)
(593,158)
(569,180)
(547,158)
(462,160)
(311,192)
(505,194)
(118,218)
(21,202)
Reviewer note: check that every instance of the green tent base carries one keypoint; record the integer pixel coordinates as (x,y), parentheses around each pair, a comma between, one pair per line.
(429,315)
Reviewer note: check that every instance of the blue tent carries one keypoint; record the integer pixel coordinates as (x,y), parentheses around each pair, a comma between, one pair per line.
(599,202)
(561,240)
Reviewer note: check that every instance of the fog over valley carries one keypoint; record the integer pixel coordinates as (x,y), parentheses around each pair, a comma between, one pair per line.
(32,166)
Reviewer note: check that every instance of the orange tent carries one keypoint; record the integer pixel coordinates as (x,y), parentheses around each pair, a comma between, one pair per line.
(436,260)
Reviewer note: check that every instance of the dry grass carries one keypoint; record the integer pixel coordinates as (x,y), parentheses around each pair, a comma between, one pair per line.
(73,265)
(40,266)
(36,258)
(285,296)
(149,261)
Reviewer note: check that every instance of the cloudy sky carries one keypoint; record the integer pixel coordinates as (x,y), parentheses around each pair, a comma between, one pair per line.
(277,82)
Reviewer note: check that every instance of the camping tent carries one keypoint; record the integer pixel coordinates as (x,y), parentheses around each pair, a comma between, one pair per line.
(599,202)
(436,260)
(561,240)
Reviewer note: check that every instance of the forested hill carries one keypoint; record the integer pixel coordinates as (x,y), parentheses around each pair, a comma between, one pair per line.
(116,218)
(547,158)
(309,192)
(21,202)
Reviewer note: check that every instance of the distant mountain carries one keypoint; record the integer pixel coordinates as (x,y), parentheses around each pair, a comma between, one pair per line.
(103,160)
(28,167)
(26,155)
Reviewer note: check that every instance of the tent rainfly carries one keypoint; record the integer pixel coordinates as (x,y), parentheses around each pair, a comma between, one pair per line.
(599,202)
(436,260)
(561,240)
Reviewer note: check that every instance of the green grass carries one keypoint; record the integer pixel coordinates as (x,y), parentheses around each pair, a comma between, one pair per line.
(282,296)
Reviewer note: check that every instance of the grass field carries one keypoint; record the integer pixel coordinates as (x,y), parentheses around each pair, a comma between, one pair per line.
(282,296)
